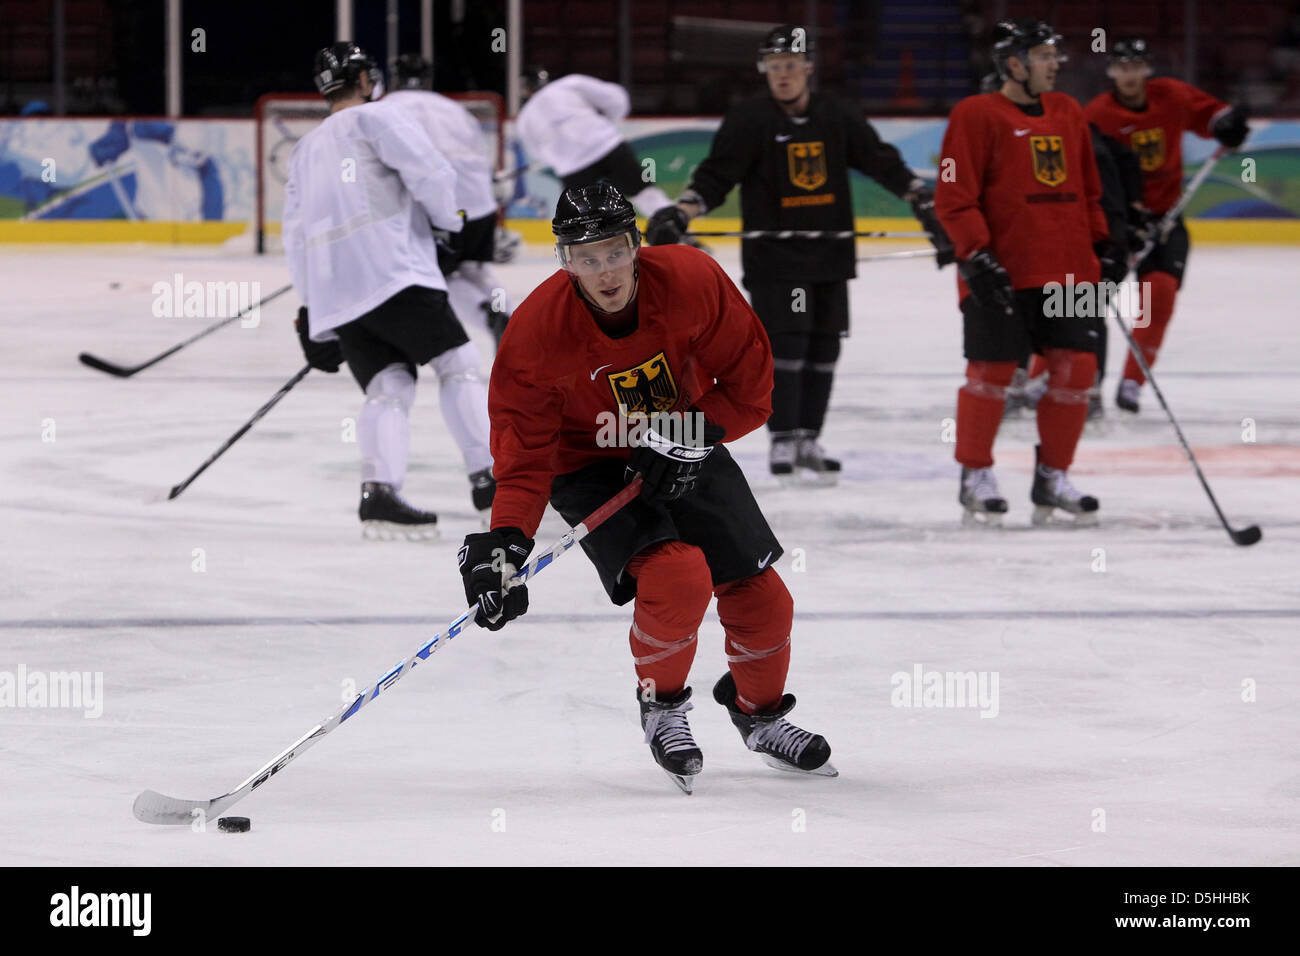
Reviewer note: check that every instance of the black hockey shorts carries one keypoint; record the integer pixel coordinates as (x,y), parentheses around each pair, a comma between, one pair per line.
(619,167)
(993,337)
(1169,256)
(721,518)
(787,305)
(412,327)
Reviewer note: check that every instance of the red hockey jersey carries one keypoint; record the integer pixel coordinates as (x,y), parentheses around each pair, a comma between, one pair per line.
(558,378)
(1155,132)
(1024,186)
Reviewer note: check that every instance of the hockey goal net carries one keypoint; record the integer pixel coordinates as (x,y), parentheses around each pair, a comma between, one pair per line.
(284,118)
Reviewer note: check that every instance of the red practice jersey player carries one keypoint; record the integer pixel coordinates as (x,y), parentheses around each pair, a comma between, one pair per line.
(661,339)
(1021,207)
(1150,117)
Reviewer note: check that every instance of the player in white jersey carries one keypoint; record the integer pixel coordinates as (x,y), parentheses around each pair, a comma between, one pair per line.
(366,190)
(571,125)
(472,285)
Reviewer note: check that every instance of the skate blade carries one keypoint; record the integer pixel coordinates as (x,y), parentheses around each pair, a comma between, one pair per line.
(388,531)
(821,479)
(825,770)
(787,481)
(981,519)
(684,783)
(1043,517)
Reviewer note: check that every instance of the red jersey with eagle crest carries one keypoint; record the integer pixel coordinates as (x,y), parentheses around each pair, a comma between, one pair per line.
(1155,132)
(1024,186)
(697,344)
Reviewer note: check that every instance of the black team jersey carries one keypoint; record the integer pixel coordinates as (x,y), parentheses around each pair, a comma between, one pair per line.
(793,173)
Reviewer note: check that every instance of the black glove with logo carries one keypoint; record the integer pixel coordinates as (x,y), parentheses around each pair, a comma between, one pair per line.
(923,210)
(488,560)
(666,226)
(668,467)
(324,356)
(1230,129)
(1113,259)
(988,282)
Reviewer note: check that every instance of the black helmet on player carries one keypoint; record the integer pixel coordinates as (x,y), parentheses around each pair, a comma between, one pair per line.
(414,72)
(1129,48)
(785,39)
(342,65)
(1017,37)
(534,78)
(590,214)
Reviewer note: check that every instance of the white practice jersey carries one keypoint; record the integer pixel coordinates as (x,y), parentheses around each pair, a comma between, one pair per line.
(571,122)
(457,134)
(363,188)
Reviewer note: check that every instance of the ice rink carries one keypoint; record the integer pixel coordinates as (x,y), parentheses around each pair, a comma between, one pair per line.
(1147,670)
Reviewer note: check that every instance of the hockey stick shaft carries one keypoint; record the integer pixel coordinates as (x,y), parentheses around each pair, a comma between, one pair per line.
(1169,218)
(909,254)
(127,371)
(284,390)
(513,173)
(808,234)
(153,807)
(1246,536)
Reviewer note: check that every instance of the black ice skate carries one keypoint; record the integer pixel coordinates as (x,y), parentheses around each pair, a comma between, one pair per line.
(978,495)
(1052,489)
(780,743)
(669,737)
(809,455)
(483,490)
(386,517)
(781,458)
(1126,396)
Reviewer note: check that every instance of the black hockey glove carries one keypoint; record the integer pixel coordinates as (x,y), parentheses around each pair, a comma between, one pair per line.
(666,226)
(923,210)
(450,247)
(988,282)
(1230,129)
(488,560)
(1113,259)
(669,468)
(324,356)
(1142,225)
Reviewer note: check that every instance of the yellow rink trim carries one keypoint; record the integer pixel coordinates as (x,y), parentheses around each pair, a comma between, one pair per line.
(117,230)
(538,231)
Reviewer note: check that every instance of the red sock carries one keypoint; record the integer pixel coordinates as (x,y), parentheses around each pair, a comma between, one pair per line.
(979,411)
(1037,366)
(1063,409)
(757,614)
(1164,289)
(673,588)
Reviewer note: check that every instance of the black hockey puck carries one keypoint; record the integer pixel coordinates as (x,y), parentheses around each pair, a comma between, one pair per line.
(234,824)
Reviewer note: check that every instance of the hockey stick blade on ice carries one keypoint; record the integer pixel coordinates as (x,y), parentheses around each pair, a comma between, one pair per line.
(126,371)
(257,415)
(154,807)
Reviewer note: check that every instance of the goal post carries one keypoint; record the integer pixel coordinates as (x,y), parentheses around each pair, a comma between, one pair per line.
(281,119)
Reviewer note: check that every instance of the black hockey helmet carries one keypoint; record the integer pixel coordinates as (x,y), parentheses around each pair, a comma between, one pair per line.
(1015,37)
(414,72)
(342,65)
(1129,48)
(587,214)
(785,39)
(534,78)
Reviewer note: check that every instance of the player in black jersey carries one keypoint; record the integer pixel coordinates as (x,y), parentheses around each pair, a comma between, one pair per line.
(790,150)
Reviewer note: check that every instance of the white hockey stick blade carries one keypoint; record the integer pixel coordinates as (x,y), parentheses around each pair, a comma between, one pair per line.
(154,807)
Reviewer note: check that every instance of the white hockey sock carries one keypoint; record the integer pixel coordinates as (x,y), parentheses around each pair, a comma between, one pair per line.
(384,431)
(464,404)
(650,200)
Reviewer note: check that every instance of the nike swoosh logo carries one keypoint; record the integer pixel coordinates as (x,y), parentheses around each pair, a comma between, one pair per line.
(597,372)
(762,564)
(1022,132)
(1127,129)
(782,137)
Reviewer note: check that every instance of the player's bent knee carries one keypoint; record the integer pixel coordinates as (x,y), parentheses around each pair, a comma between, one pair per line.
(460,363)
(392,385)
(1070,369)
(760,603)
(674,584)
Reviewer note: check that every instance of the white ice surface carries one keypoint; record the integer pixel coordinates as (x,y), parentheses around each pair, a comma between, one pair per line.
(1121,692)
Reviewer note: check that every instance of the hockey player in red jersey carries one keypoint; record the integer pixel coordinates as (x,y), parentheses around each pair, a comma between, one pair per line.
(1150,115)
(661,339)
(1021,206)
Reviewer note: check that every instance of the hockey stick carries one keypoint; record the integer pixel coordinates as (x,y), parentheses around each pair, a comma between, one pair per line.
(257,415)
(808,234)
(909,254)
(125,371)
(153,807)
(1245,536)
(1161,232)
(512,173)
